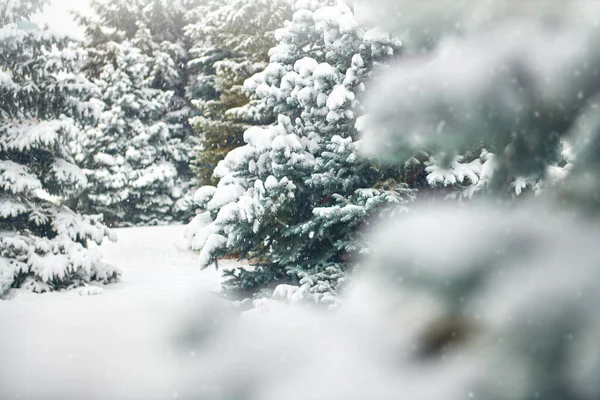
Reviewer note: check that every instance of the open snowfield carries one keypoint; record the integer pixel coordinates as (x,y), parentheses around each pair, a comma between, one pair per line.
(114,343)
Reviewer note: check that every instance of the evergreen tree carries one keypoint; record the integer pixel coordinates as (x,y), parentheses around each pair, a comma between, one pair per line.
(132,155)
(156,30)
(231,42)
(44,102)
(296,195)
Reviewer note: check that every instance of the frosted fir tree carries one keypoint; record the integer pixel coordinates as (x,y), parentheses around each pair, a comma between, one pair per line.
(156,28)
(231,43)
(45,103)
(295,197)
(133,156)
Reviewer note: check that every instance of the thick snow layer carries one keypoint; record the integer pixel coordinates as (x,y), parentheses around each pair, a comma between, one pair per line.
(99,338)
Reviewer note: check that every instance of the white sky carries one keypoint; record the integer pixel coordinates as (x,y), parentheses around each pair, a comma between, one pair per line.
(56,15)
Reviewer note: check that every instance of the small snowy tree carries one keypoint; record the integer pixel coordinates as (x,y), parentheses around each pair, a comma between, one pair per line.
(44,102)
(296,195)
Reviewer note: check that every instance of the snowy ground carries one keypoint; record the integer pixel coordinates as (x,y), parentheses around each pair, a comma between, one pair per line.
(53,341)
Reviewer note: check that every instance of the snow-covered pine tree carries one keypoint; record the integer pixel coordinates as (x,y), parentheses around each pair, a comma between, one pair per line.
(296,195)
(132,155)
(231,43)
(156,29)
(44,102)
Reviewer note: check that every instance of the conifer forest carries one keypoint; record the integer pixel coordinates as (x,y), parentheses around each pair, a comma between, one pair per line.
(299,199)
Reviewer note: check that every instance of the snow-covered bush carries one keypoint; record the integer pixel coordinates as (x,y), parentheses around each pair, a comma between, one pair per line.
(295,196)
(44,103)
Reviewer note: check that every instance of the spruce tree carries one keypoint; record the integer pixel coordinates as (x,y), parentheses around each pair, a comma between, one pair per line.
(296,195)
(44,104)
(156,30)
(132,154)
